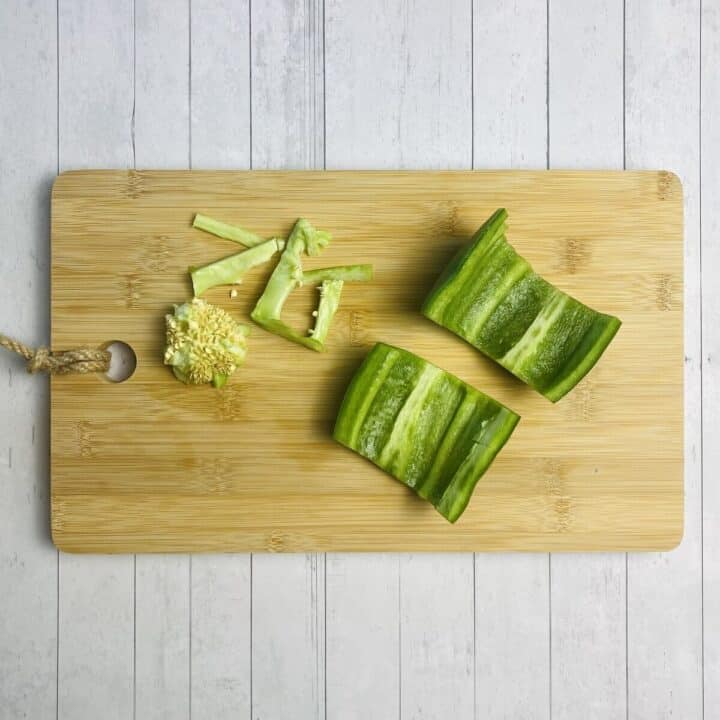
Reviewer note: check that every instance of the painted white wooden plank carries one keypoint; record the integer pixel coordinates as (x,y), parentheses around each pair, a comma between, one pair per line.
(288,636)
(398,94)
(511,591)
(28,162)
(161,140)
(288,592)
(437,643)
(220,636)
(220,83)
(363,636)
(95,644)
(587,592)
(287,84)
(509,79)
(162,61)
(512,636)
(664,590)
(394,76)
(162,612)
(710,229)
(220,138)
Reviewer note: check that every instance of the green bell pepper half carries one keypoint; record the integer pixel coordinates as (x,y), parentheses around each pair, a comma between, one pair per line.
(422,425)
(491,297)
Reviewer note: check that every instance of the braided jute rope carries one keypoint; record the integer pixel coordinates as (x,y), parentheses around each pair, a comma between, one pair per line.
(80,360)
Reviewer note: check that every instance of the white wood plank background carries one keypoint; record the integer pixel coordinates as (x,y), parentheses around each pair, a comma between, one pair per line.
(345,84)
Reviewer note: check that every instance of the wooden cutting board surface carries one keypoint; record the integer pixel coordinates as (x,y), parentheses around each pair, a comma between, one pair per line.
(150,465)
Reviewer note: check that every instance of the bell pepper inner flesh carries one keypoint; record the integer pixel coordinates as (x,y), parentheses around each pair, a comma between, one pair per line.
(228,232)
(491,297)
(230,270)
(423,426)
(288,275)
(330,292)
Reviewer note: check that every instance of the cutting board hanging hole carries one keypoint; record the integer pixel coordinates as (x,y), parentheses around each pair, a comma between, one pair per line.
(123,361)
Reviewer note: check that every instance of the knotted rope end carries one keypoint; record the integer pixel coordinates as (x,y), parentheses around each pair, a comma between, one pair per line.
(81,360)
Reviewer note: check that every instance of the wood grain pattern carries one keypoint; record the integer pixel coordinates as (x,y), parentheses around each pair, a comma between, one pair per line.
(153,465)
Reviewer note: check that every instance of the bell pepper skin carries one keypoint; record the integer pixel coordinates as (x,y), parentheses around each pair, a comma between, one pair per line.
(424,426)
(491,297)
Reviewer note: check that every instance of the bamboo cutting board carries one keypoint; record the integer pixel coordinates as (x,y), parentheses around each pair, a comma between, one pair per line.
(151,465)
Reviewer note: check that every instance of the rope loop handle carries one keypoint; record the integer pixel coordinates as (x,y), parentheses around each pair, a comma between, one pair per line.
(81,360)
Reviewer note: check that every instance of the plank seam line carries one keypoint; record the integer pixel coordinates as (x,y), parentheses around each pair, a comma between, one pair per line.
(190,634)
(324,104)
(134,85)
(325,713)
(133,9)
(250,82)
(624,163)
(472,101)
(547,84)
(190,124)
(250,155)
(324,165)
(251,636)
(399,633)
(474,595)
(547,164)
(134,659)
(702,365)
(190,566)
(57,552)
(57,642)
(472,167)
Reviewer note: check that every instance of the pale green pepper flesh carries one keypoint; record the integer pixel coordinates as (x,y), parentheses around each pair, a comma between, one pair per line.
(228,232)
(231,270)
(288,275)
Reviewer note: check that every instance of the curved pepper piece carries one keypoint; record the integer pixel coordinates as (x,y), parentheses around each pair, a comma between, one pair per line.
(491,297)
(288,275)
(424,426)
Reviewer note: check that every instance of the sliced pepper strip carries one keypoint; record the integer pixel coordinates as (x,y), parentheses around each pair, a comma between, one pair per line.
(330,292)
(228,232)
(347,273)
(230,270)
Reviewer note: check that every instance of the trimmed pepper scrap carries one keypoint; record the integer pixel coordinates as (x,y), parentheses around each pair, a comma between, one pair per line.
(491,297)
(288,275)
(230,270)
(424,426)
(228,232)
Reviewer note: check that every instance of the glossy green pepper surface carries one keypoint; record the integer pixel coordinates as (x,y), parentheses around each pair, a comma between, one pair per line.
(424,426)
(491,297)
